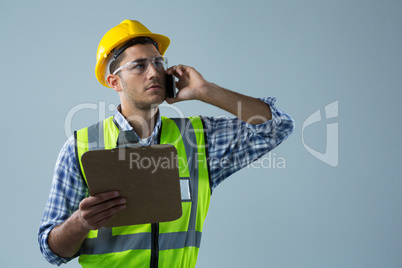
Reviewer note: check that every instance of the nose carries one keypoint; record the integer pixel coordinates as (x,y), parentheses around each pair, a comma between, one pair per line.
(152,71)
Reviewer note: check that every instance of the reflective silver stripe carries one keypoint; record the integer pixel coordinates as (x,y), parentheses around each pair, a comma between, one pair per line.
(110,244)
(95,137)
(179,240)
(105,232)
(120,243)
(190,144)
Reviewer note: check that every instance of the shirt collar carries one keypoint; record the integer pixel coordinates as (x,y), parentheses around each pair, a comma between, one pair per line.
(125,126)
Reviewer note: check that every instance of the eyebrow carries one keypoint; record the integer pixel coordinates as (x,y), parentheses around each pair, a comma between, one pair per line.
(144,59)
(140,60)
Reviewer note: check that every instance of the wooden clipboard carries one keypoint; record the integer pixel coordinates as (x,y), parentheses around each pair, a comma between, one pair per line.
(148,177)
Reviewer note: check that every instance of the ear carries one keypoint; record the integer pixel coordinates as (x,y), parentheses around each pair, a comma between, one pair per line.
(114,82)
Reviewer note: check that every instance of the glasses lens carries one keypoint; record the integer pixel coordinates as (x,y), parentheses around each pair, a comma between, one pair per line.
(138,66)
(141,65)
(160,63)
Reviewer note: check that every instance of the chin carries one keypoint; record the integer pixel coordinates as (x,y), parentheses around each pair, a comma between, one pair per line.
(157,101)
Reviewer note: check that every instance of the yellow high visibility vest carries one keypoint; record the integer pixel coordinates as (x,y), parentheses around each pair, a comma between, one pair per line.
(167,244)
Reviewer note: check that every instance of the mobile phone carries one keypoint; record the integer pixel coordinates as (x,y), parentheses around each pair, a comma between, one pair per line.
(170,86)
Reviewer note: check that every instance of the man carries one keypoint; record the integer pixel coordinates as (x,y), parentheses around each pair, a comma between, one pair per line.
(130,60)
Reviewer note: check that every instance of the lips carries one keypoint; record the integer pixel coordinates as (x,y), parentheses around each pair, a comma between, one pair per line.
(154,87)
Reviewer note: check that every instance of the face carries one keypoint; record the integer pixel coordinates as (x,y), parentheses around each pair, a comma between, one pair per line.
(141,91)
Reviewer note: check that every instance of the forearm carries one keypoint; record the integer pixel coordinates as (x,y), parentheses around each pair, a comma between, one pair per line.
(240,144)
(66,239)
(192,85)
(94,212)
(248,109)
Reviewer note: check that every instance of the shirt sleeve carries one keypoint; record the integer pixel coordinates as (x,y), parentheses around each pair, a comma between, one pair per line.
(67,190)
(233,144)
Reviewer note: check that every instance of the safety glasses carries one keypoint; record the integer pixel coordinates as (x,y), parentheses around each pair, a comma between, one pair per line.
(139,66)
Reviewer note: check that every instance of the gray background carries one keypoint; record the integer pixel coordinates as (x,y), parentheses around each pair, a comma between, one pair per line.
(306,53)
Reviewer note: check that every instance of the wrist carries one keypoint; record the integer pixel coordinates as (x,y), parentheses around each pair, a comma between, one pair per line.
(80,224)
(66,239)
(206,92)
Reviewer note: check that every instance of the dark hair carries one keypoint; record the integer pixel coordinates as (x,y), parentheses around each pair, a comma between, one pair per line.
(118,54)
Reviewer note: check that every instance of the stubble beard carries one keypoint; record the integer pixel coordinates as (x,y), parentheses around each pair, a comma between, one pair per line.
(138,104)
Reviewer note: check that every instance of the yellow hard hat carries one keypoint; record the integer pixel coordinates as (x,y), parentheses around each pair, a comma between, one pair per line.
(118,35)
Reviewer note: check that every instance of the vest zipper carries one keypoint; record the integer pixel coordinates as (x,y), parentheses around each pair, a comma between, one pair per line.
(154,245)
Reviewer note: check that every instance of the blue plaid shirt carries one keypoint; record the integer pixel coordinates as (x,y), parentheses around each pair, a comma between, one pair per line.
(232,145)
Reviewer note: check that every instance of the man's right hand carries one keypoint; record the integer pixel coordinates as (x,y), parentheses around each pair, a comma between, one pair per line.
(95,211)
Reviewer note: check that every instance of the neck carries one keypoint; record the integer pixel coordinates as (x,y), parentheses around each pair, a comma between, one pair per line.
(142,121)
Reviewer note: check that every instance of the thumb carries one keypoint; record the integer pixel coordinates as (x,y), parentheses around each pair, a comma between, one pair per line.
(171,100)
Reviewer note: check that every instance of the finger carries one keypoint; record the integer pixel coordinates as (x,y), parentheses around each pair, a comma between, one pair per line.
(171,100)
(100,212)
(103,206)
(99,198)
(171,69)
(104,216)
(181,69)
(101,223)
(88,211)
(175,70)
